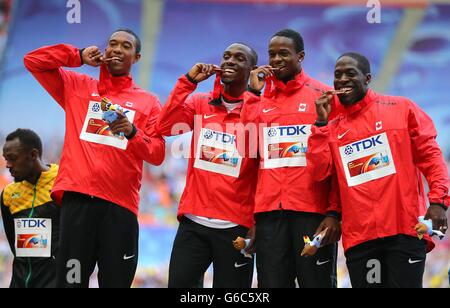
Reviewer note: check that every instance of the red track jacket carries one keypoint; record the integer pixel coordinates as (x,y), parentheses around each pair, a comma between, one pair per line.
(380,146)
(221,179)
(93,162)
(285,115)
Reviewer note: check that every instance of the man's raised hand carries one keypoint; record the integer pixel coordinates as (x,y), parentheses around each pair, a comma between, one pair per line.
(202,71)
(323,106)
(92,56)
(258,76)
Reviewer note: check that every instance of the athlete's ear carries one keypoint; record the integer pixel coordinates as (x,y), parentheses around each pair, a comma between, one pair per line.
(137,57)
(368,79)
(301,56)
(34,153)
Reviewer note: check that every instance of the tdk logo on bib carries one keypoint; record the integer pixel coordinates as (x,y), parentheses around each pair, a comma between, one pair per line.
(33,237)
(363,145)
(217,153)
(284,131)
(285,146)
(367,160)
(220,137)
(31,223)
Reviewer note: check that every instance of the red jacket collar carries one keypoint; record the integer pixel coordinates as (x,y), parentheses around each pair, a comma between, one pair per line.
(110,84)
(370,97)
(219,93)
(274,85)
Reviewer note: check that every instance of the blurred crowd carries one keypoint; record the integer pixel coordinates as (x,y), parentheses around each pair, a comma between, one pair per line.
(5,8)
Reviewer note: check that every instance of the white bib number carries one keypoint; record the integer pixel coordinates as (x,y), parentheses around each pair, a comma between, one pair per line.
(366,160)
(217,152)
(285,146)
(33,237)
(96,130)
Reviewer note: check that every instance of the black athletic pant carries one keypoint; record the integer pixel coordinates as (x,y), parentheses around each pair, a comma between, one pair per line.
(96,231)
(279,242)
(391,262)
(196,247)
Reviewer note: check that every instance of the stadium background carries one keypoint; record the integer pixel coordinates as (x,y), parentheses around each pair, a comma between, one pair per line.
(409,51)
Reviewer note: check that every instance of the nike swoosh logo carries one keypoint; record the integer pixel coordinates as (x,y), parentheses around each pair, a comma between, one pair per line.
(208,116)
(125,257)
(269,110)
(236,265)
(415,261)
(322,263)
(342,136)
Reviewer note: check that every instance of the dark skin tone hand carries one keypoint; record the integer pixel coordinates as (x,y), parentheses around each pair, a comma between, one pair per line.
(92,56)
(258,76)
(251,235)
(333,233)
(202,71)
(438,216)
(121,125)
(323,106)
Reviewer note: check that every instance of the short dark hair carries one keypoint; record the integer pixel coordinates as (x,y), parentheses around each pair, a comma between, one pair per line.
(253,53)
(28,138)
(294,36)
(136,37)
(362,62)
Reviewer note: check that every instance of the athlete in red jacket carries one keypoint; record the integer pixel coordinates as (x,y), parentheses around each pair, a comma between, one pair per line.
(101,165)
(289,203)
(218,201)
(379,147)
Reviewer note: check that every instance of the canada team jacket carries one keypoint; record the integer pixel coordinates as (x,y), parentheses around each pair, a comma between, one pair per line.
(221,178)
(379,147)
(93,161)
(285,115)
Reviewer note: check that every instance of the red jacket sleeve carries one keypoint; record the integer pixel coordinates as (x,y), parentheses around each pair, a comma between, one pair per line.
(320,163)
(318,156)
(46,66)
(427,155)
(251,108)
(179,109)
(334,199)
(147,144)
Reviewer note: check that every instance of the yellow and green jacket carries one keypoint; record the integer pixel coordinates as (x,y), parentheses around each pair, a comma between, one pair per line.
(25,200)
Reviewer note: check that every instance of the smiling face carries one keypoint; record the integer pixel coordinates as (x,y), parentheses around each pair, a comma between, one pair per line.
(19,160)
(121,46)
(237,63)
(284,57)
(349,77)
